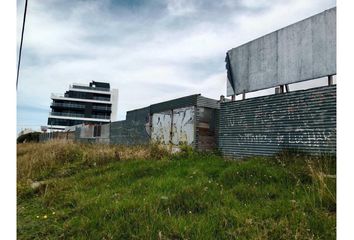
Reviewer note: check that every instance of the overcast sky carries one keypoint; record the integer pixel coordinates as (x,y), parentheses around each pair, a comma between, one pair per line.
(151,51)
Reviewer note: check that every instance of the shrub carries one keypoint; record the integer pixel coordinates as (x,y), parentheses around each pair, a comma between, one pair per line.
(29,137)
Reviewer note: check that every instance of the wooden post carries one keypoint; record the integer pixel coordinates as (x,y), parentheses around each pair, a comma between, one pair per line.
(233,98)
(244,95)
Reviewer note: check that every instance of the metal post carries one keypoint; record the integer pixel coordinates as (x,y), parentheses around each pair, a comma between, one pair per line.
(287,88)
(244,95)
(330,80)
(233,98)
(171,131)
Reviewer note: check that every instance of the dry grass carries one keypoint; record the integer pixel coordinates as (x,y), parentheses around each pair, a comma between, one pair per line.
(319,171)
(36,160)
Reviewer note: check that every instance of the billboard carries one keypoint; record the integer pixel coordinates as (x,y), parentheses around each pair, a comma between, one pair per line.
(302,51)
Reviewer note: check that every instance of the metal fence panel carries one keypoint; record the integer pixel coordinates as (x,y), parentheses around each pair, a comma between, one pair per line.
(304,120)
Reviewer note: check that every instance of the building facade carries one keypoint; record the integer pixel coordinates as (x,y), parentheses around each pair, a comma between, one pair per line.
(95,103)
(189,120)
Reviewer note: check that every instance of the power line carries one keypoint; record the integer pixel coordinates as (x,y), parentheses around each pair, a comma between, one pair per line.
(19,55)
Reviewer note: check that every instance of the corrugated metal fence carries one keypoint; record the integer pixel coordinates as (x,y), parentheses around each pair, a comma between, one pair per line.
(304,120)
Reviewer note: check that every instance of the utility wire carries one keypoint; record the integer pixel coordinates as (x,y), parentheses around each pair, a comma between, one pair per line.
(19,55)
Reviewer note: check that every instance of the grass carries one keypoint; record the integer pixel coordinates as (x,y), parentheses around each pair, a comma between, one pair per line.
(114,192)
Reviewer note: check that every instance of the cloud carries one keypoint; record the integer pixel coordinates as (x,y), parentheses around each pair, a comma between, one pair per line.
(180,7)
(150,50)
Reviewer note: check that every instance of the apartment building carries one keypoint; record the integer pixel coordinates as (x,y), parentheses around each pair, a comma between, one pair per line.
(95,103)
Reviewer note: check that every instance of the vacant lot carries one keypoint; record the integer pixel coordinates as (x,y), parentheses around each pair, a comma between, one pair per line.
(75,191)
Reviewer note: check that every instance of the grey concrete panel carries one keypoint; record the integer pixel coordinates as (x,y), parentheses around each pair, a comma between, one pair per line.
(129,133)
(302,51)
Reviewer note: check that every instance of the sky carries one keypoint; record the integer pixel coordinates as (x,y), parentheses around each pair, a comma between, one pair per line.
(151,51)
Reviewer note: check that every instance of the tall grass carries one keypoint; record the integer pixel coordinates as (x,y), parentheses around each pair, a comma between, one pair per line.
(115,192)
(317,170)
(37,161)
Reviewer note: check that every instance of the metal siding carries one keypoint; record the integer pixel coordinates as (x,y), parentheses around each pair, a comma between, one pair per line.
(139,115)
(304,120)
(174,104)
(217,126)
(207,102)
(302,51)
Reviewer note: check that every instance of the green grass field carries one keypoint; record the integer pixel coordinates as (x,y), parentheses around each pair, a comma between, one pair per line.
(110,192)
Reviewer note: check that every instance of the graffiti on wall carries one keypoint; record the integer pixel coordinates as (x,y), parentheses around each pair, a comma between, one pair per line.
(303,120)
(161,127)
(174,127)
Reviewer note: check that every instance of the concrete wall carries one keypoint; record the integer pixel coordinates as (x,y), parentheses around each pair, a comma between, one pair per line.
(129,133)
(302,51)
(304,120)
(69,135)
(85,133)
(114,96)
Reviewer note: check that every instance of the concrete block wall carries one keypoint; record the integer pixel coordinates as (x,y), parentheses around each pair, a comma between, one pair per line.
(129,133)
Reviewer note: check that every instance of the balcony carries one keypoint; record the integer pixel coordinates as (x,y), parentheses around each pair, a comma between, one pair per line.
(102,99)
(66,97)
(78,115)
(65,114)
(57,95)
(101,116)
(68,105)
(104,108)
